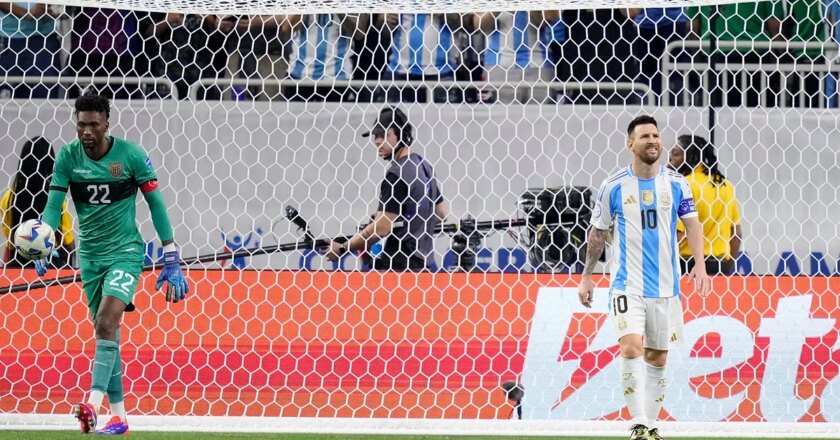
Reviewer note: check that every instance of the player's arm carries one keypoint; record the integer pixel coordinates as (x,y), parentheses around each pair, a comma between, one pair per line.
(171,274)
(160,218)
(694,235)
(55,201)
(595,243)
(59,184)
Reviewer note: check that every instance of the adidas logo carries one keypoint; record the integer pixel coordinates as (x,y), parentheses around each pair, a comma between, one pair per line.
(660,399)
(629,390)
(630,200)
(673,337)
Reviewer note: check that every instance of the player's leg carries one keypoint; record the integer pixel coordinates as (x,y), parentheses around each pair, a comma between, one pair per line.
(117,292)
(654,387)
(663,327)
(93,276)
(628,313)
(117,424)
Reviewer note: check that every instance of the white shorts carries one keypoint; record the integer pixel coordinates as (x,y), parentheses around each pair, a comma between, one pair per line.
(659,320)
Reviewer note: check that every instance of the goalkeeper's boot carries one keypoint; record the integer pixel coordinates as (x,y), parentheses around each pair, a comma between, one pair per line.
(653,434)
(85,413)
(638,432)
(115,426)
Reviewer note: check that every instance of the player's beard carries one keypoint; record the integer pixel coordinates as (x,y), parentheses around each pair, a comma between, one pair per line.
(648,159)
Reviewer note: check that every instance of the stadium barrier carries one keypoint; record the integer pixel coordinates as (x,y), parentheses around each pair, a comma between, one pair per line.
(671,64)
(429,346)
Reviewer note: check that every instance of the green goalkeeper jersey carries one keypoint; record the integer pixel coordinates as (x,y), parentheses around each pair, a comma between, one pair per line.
(104,193)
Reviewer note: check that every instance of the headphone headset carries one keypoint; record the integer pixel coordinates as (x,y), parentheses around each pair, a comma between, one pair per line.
(402,128)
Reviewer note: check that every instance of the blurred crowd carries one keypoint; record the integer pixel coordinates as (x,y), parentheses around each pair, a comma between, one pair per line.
(522,48)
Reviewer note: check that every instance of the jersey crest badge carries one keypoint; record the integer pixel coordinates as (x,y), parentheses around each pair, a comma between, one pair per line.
(664,199)
(115,169)
(647,197)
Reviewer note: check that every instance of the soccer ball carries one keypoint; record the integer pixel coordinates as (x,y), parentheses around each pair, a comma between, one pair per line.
(34,239)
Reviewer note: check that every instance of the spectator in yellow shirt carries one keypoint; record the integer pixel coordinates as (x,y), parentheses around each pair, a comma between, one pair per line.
(27,198)
(717,208)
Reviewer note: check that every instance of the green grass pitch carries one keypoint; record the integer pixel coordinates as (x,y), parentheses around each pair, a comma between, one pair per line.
(73,435)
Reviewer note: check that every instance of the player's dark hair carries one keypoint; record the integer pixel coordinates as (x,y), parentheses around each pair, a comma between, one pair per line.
(32,181)
(93,103)
(640,120)
(699,151)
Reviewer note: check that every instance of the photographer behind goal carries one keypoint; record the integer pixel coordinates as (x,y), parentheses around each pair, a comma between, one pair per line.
(410,206)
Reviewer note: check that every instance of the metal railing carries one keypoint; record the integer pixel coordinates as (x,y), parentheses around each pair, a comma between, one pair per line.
(744,70)
(83,81)
(641,89)
(604,89)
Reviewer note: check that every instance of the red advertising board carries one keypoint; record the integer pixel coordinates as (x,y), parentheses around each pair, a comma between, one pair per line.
(350,344)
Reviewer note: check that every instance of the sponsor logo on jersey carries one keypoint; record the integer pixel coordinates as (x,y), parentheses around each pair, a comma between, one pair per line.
(149,163)
(630,200)
(80,171)
(115,169)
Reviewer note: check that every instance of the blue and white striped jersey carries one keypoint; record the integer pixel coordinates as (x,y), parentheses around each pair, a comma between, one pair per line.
(514,42)
(321,50)
(422,45)
(643,214)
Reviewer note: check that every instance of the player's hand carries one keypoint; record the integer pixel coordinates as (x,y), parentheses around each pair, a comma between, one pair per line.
(702,282)
(177,287)
(334,251)
(42,265)
(585,290)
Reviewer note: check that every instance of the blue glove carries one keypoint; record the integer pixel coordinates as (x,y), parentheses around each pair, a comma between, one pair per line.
(177,287)
(42,265)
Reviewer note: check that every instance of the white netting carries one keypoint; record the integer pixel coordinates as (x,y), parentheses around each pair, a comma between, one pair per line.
(245,114)
(365,6)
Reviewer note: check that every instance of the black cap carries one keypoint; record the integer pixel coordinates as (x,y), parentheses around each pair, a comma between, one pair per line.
(388,117)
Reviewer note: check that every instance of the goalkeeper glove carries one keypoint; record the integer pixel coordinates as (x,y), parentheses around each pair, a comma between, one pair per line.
(177,287)
(42,265)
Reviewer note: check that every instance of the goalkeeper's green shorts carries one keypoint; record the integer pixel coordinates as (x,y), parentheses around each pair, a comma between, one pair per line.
(117,278)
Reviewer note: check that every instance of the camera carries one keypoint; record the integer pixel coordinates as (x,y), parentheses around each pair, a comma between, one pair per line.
(557,221)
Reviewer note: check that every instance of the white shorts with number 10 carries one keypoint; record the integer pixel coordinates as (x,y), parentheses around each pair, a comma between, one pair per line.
(659,320)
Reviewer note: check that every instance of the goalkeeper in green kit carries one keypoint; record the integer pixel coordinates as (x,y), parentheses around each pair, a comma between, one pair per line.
(103,174)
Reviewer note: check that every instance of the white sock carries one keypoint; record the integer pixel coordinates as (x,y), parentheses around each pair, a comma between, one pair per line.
(96,398)
(633,388)
(654,391)
(118,409)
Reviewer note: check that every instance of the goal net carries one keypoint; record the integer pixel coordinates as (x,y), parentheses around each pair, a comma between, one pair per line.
(252,114)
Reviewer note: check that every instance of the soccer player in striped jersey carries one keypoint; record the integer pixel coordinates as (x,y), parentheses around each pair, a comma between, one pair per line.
(103,174)
(322,45)
(641,205)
